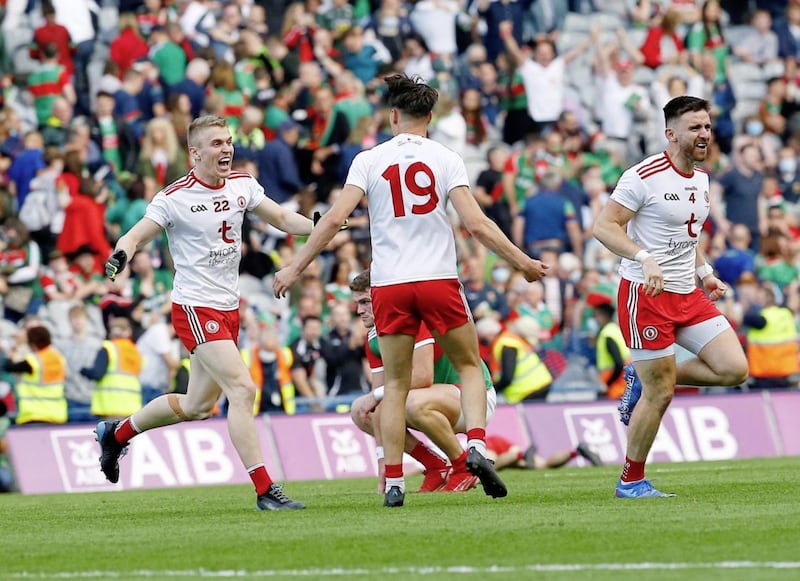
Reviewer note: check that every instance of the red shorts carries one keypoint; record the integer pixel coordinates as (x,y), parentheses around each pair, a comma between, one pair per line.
(197,325)
(399,308)
(650,322)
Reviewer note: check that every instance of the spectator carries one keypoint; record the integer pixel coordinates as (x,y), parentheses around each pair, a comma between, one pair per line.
(41,212)
(435,21)
(298,31)
(489,189)
(20,263)
(337,18)
(449,126)
(522,173)
(57,281)
(116,368)
(151,14)
(548,220)
(193,84)
(223,83)
(772,352)
(53,33)
(350,98)
(775,263)
(277,167)
(343,351)
(707,36)
(79,349)
(788,176)
(225,33)
(760,46)
(306,352)
(484,299)
(771,108)
(179,113)
(151,97)
(91,284)
(719,93)
(612,353)
(518,372)
(662,44)
(739,189)
(126,102)
(478,127)
(545,19)
(494,14)
(361,58)
(25,167)
(49,81)
(61,125)
(738,259)
(328,131)
(40,388)
(788,33)
(129,45)
(543,75)
(167,56)
(78,18)
(416,59)
(116,139)
(390,24)
(161,161)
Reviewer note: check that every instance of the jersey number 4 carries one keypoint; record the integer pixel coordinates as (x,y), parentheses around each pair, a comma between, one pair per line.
(392,175)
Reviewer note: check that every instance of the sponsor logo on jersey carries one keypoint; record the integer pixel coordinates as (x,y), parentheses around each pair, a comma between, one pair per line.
(212,327)
(198,208)
(672,197)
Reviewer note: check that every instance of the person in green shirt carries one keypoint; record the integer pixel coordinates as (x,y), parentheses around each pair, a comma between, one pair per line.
(433,405)
(168,57)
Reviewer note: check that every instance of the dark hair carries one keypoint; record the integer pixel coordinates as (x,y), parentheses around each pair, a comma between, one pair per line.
(683,104)
(308,318)
(410,94)
(38,337)
(50,50)
(361,283)
(606,309)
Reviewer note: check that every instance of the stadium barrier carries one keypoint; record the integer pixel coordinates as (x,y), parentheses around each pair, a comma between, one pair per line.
(325,446)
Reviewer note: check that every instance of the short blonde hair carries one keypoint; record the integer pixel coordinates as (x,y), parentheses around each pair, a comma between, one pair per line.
(201,124)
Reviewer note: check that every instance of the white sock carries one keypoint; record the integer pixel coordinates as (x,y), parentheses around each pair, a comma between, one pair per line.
(399,482)
(479,445)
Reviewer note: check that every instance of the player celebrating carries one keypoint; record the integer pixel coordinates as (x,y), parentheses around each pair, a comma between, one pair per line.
(202,214)
(408,181)
(653,221)
(434,410)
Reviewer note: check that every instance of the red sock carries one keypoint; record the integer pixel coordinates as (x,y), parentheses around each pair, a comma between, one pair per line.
(476,434)
(125,431)
(520,455)
(260,478)
(394,471)
(632,470)
(573,454)
(427,457)
(460,463)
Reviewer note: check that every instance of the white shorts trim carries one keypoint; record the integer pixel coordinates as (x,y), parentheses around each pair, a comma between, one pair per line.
(491,405)
(692,339)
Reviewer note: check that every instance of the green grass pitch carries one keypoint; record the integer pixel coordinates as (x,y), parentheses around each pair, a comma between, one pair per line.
(731,520)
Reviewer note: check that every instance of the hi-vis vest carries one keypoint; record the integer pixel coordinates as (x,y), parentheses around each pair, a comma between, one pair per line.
(605,363)
(40,393)
(285,361)
(119,393)
(531,374)
(250,358)
(772,351)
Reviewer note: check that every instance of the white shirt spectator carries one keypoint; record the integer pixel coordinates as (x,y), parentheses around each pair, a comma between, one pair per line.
(545,88)
(451,131)
(76,17)
(621,105)
(435,21)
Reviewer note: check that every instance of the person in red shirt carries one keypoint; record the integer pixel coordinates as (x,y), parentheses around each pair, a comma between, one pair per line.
(53,33)
(129,46)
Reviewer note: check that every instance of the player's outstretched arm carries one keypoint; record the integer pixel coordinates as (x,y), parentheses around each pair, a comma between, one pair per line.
(323,232)
(141,233)
(490,235)
(283,219)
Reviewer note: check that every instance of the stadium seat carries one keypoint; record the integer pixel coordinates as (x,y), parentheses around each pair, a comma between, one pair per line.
(752,90)
(740,71)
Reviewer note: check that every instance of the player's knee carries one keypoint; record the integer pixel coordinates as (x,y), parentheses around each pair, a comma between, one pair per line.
(417,408)
(198,410)
(736,373)
(359,414)
(243,395)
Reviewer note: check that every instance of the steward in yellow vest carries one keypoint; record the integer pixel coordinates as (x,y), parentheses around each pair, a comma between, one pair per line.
(772,349)
(519,373)
(612,353)
(116,368)
(250,358)
(40,389)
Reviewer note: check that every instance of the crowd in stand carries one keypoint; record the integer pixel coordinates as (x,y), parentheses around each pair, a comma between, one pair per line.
(548,101)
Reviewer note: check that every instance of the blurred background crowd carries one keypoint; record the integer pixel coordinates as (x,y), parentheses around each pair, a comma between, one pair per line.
(548,101)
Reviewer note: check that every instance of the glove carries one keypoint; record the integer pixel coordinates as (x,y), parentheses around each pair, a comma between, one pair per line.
(344,226)
(116,264)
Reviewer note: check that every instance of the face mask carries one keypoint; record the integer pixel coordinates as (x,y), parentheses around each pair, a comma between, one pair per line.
(754,128)
(501,275)
(787,165)
(592,327)
(575,276)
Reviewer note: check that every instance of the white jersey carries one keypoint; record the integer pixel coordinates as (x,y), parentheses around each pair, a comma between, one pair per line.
(407,181)
(671,208)
(204,229)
